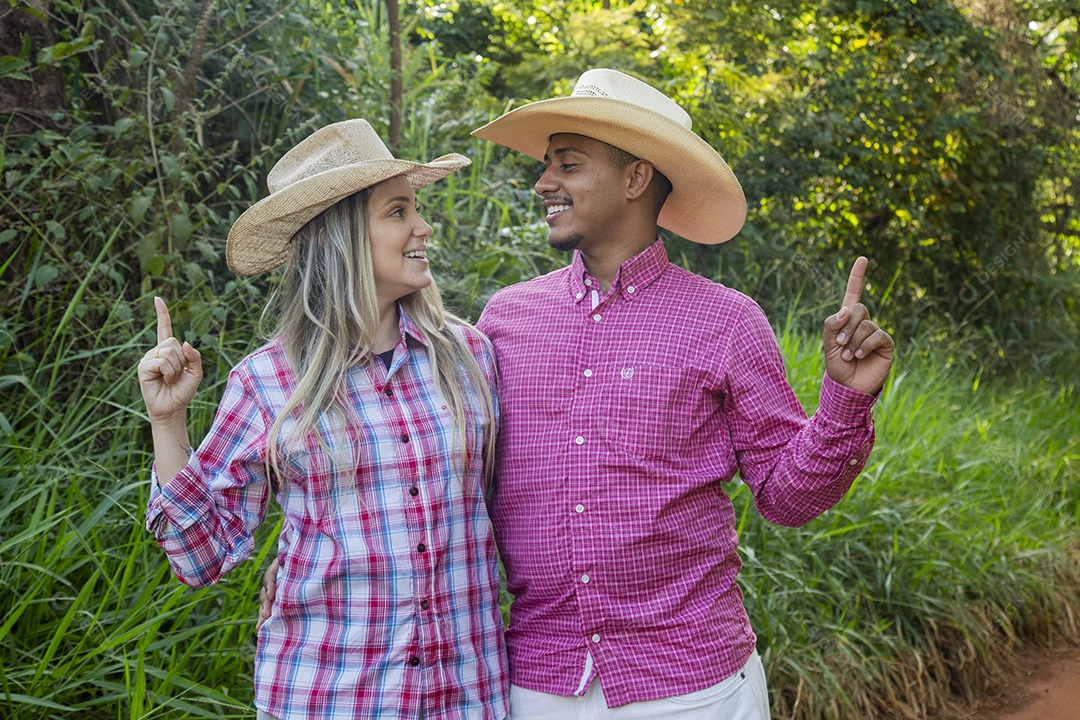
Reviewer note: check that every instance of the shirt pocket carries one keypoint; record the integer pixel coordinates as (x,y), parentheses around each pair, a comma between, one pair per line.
(641,407)
(326,473)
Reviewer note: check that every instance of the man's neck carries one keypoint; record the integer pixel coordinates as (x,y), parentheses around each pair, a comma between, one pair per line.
(603,263)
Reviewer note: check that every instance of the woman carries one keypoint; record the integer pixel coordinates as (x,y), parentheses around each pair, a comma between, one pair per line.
(369,416)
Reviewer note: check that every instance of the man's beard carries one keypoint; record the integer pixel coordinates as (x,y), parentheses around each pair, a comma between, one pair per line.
(568,244)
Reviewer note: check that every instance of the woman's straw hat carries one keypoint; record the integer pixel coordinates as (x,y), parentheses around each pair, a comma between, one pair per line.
(706,203)
(325,167)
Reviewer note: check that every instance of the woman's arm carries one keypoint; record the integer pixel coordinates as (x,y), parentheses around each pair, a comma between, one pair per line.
(204,506)
(169,375)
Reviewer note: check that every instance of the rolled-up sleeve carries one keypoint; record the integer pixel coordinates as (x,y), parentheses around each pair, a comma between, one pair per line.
(206,516)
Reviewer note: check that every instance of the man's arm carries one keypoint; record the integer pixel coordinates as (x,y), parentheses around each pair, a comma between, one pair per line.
(799,468)
(267,594)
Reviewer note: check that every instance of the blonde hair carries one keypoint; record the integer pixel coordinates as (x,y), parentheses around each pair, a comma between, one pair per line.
(328,318)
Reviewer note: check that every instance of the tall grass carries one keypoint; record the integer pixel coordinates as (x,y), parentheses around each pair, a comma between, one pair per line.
(93,622)
(956,545)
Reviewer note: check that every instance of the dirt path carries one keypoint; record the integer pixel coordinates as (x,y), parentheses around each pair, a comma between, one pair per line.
(1047,687)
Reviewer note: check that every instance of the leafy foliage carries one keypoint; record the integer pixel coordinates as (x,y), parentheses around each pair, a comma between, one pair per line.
(937,137)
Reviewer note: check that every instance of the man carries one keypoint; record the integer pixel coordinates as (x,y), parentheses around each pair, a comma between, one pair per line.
(630,389)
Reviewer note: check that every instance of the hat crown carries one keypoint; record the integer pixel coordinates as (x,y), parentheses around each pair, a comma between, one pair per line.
(341,144)
(614,85)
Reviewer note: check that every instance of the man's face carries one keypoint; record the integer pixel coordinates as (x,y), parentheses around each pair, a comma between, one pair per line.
(582,191)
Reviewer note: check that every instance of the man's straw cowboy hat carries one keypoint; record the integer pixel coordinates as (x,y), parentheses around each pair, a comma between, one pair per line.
(325,167)
(706,204)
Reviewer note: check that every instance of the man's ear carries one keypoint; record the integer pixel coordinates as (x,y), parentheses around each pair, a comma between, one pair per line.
(639,175)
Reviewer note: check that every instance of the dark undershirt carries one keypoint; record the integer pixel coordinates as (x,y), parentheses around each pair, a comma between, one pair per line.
(387,357)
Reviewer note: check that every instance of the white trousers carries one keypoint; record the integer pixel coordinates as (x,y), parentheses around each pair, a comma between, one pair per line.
(742,696)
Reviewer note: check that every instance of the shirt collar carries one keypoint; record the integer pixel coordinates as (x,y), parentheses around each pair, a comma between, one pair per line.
(408,327)
(633,275)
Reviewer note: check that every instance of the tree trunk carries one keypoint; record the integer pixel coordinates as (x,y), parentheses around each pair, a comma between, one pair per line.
(28,103)
(394,21)
(187,82)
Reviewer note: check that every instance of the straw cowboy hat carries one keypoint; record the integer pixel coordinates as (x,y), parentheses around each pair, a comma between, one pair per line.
(706,203)
(330,164)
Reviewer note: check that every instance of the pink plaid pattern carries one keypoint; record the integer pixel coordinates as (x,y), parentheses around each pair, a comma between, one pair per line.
(619,422)
(387,596)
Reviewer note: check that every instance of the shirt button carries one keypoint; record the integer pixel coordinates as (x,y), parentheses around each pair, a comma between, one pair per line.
(579,296)
(421,548)
(596,638)
(388,392)
(414,492)
(853,461)
(588,373)
(579,440)
(579,508)
(414,661)
(596,317)
(424,604)
(404,437)
(588,282)
(585,579)
(630,289)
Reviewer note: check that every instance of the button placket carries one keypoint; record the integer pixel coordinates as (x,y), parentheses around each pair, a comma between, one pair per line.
(581,422)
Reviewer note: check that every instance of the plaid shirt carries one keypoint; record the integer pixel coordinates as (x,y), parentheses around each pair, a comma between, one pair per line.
(621,416)
(388,590)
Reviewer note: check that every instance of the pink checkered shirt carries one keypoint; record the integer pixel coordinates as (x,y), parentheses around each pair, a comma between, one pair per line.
(620,421)
(387,595)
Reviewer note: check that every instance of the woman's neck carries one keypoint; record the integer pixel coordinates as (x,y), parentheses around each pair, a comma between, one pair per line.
(387,335)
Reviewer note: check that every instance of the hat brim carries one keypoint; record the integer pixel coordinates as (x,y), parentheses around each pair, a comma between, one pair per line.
(259,239)
(706,204)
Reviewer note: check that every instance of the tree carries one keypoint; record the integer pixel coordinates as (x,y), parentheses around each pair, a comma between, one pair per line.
(394,23)
(29,94)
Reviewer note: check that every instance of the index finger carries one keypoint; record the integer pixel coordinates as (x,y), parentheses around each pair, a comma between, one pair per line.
(855,283)
(164,322)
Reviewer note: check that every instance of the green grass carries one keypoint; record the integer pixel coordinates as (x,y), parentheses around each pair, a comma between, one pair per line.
(952,547)
(957,543)
(94,624)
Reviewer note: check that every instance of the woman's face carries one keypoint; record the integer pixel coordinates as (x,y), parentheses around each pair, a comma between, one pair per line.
(399,239)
